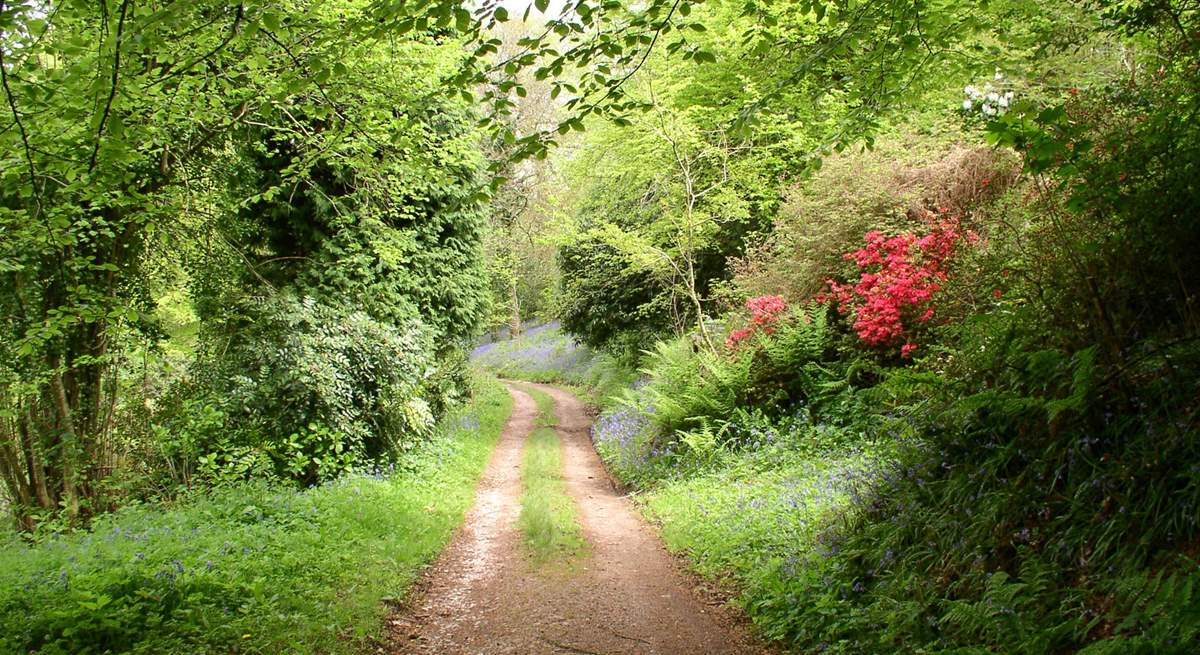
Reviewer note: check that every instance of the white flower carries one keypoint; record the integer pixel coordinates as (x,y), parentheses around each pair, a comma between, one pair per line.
(993,96)
(967,104)
(1003,102)
(988,110)
(999,75)
(971,91)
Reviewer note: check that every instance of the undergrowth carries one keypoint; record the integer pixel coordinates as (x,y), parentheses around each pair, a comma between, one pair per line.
(1022,500)
(250,567)
(755,526)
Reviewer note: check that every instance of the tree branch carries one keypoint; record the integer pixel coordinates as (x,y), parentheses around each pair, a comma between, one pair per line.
(12,105)
(112,92)
(233,30)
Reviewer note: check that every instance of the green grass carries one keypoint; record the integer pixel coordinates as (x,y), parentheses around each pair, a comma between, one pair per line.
(547,411)
(738,520)
(251,568)
(753,528)
(548,522)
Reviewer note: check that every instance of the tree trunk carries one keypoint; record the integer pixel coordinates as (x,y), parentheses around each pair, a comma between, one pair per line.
(36,465)
(66,444)
(514,320)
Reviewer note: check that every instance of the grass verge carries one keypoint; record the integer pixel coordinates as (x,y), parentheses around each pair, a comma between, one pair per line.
(548,522)
(547,411)
(755,529)
(251,568)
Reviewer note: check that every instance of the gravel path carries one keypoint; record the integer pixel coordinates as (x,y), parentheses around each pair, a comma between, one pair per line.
(626,597)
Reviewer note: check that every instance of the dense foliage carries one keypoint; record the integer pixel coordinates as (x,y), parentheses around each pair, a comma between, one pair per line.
(319,234)
(973,428)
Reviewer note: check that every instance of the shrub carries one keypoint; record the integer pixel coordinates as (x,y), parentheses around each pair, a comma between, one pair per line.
(894,293)
(765,312)
(888,189)
(607,302)
(695,405)
(304,381)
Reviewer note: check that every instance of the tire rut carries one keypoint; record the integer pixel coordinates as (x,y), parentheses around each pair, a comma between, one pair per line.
(626,597)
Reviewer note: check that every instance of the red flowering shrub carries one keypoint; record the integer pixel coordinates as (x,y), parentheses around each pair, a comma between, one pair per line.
(765,312)
(900,275)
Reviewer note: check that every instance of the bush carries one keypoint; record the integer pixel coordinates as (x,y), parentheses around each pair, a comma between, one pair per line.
(888,189)
(315,388)
(1036,513)
(776,369)
(607,302)
(695,408)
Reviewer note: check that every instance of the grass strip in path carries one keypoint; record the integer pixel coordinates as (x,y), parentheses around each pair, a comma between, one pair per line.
(548,521)
(252,567)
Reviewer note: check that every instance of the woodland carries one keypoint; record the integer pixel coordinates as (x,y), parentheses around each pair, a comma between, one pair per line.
(888,310)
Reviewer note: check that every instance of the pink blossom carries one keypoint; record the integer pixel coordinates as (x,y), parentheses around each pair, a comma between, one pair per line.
(765,312)
(899,277)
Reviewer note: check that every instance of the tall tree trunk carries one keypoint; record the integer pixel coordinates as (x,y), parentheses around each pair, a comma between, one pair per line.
(514,301)
(67,443)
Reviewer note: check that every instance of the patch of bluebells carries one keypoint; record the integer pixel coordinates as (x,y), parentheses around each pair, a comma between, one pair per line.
(143,566)
(143,563)
(245,566)
(491,344)
(543,350)
(768,528)
(624,438)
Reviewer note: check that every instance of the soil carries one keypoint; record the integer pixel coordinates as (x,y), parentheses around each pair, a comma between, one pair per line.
(628,595)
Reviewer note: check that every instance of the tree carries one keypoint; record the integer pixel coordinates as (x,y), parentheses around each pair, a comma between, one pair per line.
(521,263)
(97,166)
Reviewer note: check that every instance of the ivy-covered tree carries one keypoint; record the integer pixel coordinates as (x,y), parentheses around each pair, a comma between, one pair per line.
(138,133)
(117,111)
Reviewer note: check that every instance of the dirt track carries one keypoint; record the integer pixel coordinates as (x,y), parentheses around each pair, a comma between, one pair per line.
(627,596)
